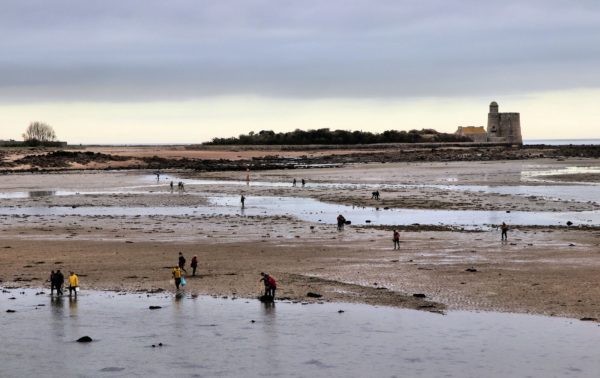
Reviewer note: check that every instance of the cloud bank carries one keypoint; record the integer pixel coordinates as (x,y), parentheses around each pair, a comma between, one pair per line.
(148,50)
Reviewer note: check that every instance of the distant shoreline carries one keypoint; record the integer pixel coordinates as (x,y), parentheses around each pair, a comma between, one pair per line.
(526,142)
(242,158)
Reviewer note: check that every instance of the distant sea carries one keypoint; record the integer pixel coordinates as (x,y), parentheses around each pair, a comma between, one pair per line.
(558,142)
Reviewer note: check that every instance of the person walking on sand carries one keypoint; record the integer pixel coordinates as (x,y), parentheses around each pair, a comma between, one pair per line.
(242,200)
(341,221)
(73,284)
(181,262)
(396,239)
(504,229)
(59,280)
(194,264)
(177,277)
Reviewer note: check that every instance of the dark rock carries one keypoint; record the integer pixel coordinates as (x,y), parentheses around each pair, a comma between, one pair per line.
(310,294)
(470,270)
(10,311)
(368,221)
(569,223)
(160,344)
(571,245)
(84,339)
(265,298)
(154,307)
(112,369)
(419,295)
(340,311)
(588,319)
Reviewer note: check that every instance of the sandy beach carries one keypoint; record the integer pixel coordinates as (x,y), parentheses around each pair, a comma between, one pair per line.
(132,240)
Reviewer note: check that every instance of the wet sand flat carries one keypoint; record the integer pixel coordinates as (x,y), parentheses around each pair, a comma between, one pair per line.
(542,270)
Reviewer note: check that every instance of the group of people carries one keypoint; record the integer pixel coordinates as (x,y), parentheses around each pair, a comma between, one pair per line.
(179,270)
(303,181)
(180,186)
(57,280)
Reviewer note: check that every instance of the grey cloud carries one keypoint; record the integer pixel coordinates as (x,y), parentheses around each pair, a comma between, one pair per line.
(157,50)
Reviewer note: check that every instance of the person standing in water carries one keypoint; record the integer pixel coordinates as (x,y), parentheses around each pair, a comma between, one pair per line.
(341,221)
(242,200)
(59,280)
(73,284)
(171,185)
(52,281)
(270,285)
(194,264)
(294,182)
(504,229)
(396,239)
(177,277)
(303,182)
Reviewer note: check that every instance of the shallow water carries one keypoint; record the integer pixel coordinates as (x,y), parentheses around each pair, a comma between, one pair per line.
(578,193)
(316,211)
(584,192)
(311,210)
(207,337)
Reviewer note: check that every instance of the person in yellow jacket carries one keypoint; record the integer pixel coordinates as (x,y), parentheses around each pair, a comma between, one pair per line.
(177,276)
(73,283)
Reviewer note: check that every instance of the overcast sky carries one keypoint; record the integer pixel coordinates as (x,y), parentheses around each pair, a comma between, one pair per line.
(218,68)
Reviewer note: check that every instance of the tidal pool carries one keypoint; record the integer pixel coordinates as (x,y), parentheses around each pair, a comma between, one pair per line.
(312,210)
(208,337)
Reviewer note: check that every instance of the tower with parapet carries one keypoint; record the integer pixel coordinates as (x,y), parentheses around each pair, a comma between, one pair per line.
(503,127)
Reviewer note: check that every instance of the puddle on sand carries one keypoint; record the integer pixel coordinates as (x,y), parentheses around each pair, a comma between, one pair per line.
(215,337)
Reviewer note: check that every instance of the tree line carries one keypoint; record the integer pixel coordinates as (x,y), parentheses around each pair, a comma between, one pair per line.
(326,136)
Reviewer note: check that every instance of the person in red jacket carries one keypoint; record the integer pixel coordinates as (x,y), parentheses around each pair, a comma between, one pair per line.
(270,286)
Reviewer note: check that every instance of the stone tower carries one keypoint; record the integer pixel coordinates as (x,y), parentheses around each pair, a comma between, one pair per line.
(503,127)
